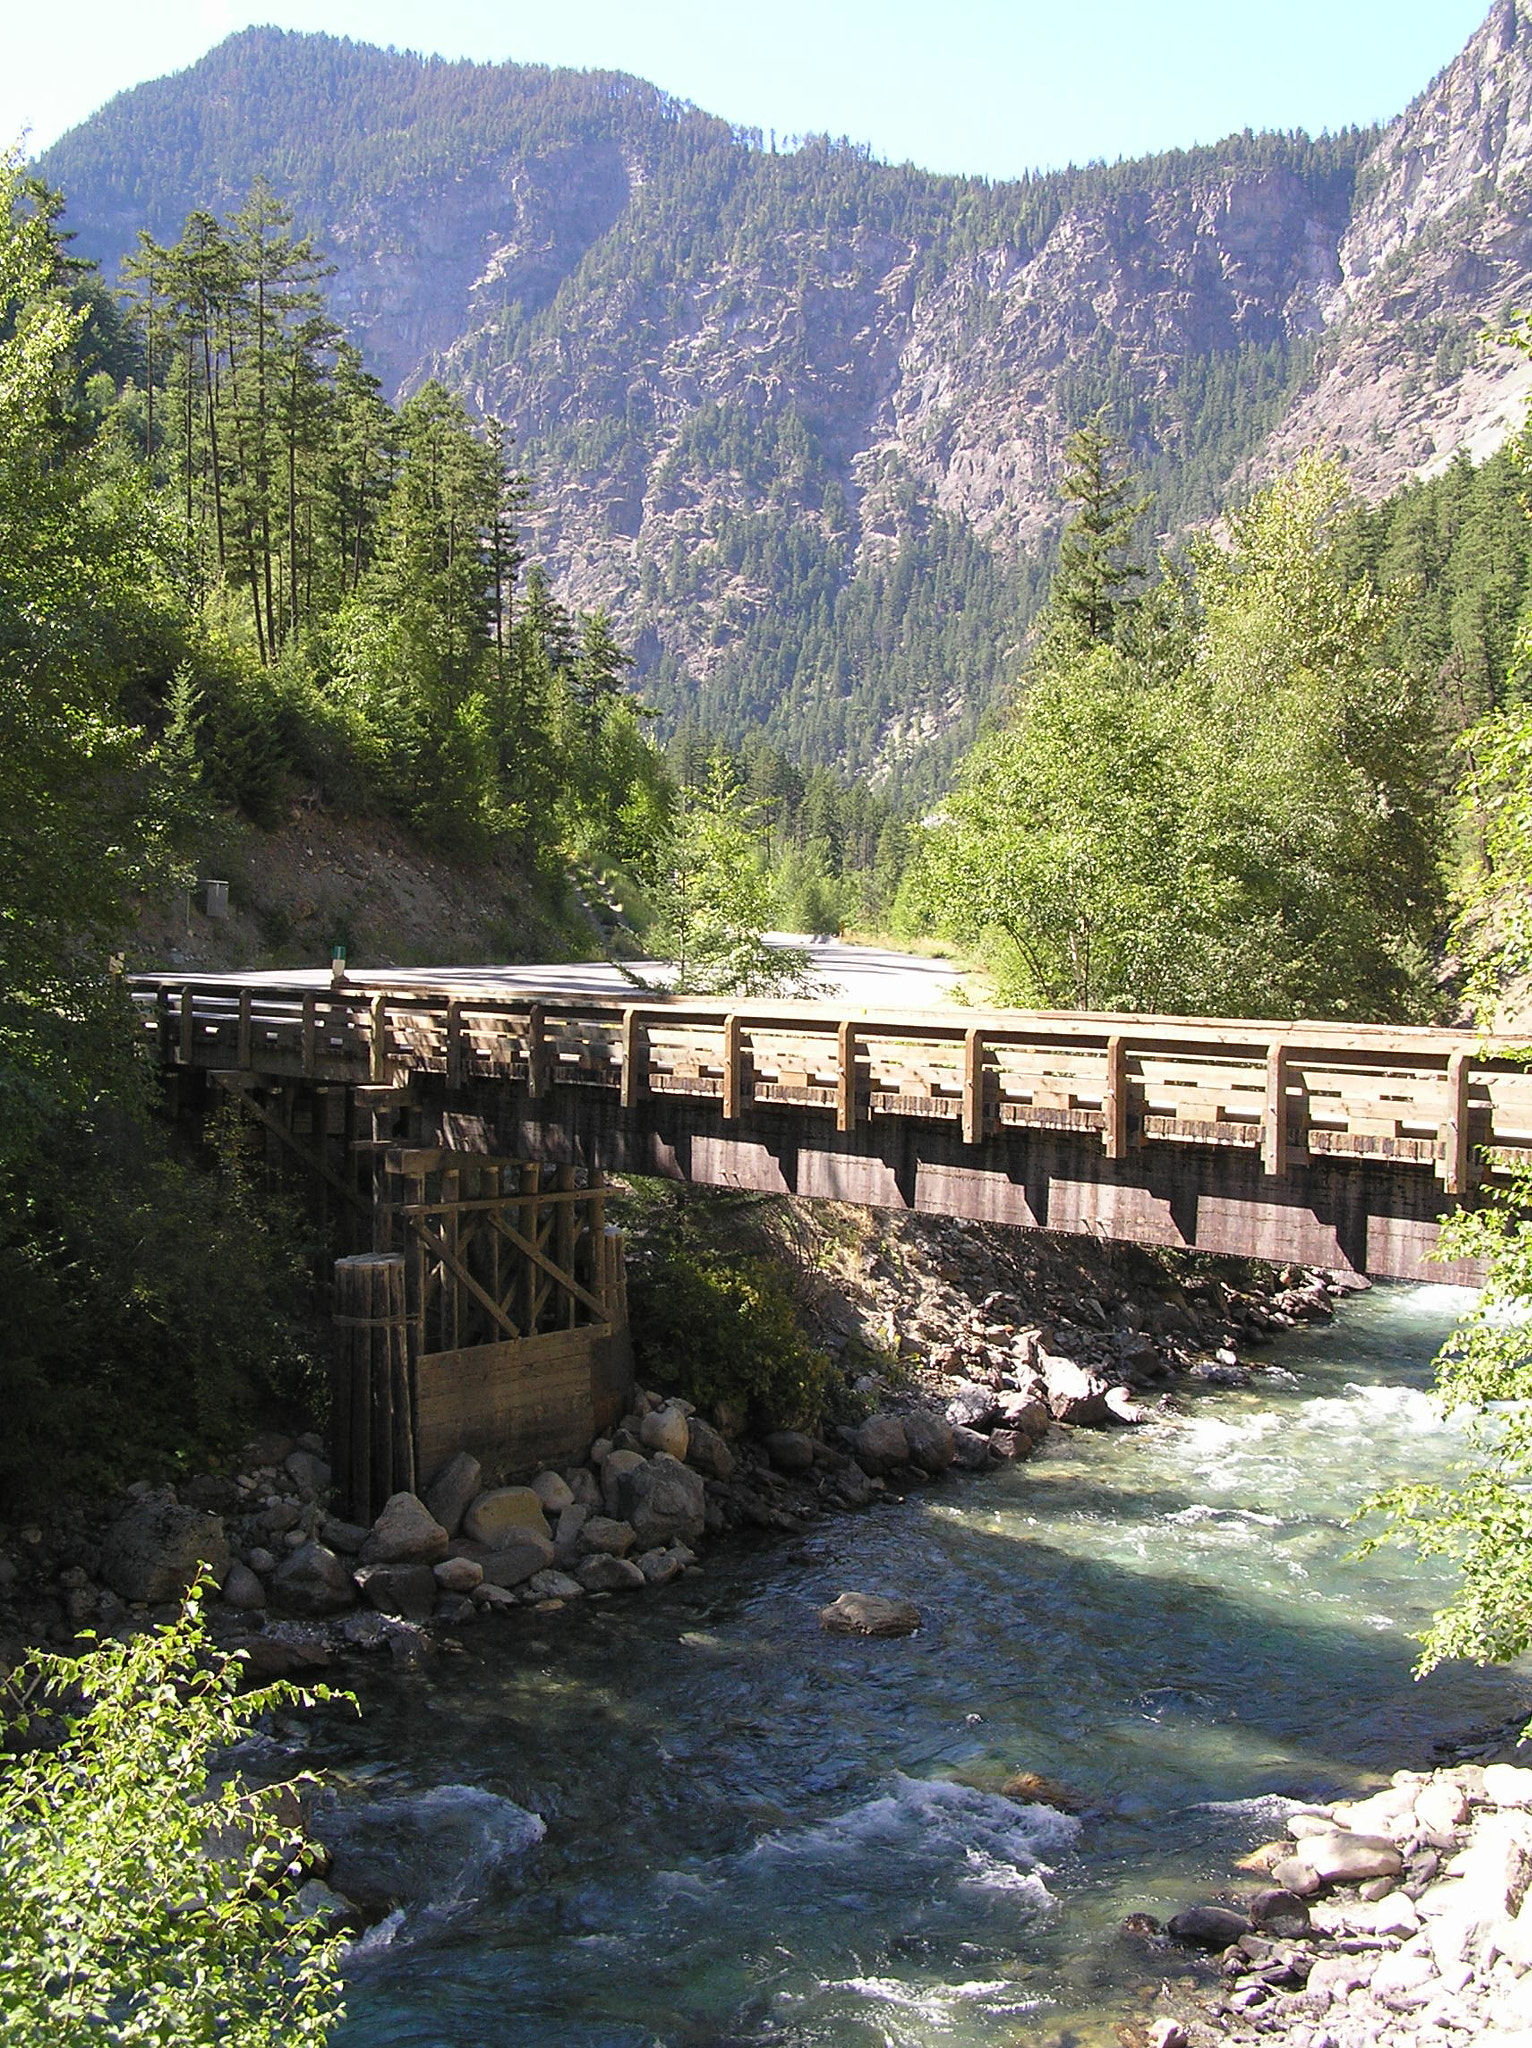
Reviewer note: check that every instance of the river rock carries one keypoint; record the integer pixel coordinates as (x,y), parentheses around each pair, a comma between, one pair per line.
(1207,1926)
(458,1574)
(669,1500)
(519,1554)
(346,1537)
(1507,1785)
(310,1474)
(243,1589)
(1009,1444)
(1280,1912)
(1122,1407)
(853,1487)
(554,1493)
(566,1537)
(494,1515)
(601,1536)
(405,1533)
(879,1445)
(156,1548)
(930,1440)
(1031,1788)
(1028,1413)
(313,1581)
(555,1585)
(617,1481)
(707,1451)
(608,1574)
(665,1429)
(790,1450)
(660,1566)
(1344,1858)
(971,1406)
(1441,1806)
(405,1590)
(585,1487)
(1294,1875)
(451,1492)
(1074,1395)
(970,1450)
(869,1614)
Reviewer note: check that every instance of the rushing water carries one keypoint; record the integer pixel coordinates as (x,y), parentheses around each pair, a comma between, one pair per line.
(692,1817)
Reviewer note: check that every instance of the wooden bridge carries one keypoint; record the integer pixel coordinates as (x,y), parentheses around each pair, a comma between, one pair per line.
(1330,1144)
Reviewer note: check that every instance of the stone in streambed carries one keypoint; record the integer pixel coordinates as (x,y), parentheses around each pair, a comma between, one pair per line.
(870,1614)
(659,1567)
(970,1450)
(1032,1789)
(407,1591)
(617,1481)
(312,1581)
(566,1537)
(1010,1444)
(405,1533)
(458,1574)
(669,1500)
(1074,1395)
(971,1406)
(514,1560)
(1280,1912)
(1216,1927)
(496,1514)
(879,1445)
(555,1585)
(1344,1858)
(601,1536)
(929,1438)
(243,1589)
(790,1450)
(609,1575)
(456,1486)
(1292,1874)
(1507,1785)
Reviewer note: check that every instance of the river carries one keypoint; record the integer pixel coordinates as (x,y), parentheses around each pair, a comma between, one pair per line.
(692,1817)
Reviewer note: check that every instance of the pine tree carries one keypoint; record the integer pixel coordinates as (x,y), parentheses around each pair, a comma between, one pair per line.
(1096,568)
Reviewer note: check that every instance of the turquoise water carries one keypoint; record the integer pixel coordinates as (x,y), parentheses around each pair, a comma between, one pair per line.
(694,1818)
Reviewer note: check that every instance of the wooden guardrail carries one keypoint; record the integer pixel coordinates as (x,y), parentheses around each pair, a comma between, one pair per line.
(1291,1091)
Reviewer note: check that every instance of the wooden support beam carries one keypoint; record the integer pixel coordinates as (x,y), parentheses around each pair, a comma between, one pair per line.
(845,1080)
(535,1256)
(733,1068)
(379,1024)
(310,1033)
(454,1044)
(973,1087)
(188,1014)
(1274,1122)
(537,1053)
(635,1058)
(312,1160)
(1114,1099)
(434,1241)
(1454,1164)
(244,1030)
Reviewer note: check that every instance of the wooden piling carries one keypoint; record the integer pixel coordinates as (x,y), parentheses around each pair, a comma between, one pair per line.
(372,1438)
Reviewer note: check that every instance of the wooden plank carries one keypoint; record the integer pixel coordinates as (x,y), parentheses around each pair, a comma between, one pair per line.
(1274,1123)
(845,1080)
(310,1032)
(454,1045)
(1114,1099)
(1455,1155)
(188,1012)
(973,1087)
(244,1030)
(537,1053)
(562,1277)
(635,1057)
(311,1160)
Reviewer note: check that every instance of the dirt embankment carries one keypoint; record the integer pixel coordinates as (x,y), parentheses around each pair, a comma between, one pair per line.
(319,881)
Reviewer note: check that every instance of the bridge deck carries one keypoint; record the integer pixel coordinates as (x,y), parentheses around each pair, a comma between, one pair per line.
(1272,1101)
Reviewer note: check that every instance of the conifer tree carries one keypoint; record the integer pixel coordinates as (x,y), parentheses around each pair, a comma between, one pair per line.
(1091,592)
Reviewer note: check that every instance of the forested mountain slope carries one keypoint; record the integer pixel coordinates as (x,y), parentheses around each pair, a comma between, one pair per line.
(798,418)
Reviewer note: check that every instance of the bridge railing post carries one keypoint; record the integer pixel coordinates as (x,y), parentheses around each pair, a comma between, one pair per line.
(733,1068)
(1454,1162)
(1274,1148)
(1114,1099)
(635,1057)
(845,1080)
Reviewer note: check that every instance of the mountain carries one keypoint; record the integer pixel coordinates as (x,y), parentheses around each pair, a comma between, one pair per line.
(798,418)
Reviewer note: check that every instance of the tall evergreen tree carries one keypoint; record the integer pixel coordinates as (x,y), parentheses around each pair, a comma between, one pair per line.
(1092,590)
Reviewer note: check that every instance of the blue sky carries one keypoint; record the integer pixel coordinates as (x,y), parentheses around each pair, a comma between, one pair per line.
(995,87)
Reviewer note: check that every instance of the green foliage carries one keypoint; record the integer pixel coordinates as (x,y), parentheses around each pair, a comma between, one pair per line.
(712,898)
(1232,812)
(713,1328)
(1091,590)
(141,1900)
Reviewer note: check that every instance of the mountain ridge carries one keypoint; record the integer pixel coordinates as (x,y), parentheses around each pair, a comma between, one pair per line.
(798,419)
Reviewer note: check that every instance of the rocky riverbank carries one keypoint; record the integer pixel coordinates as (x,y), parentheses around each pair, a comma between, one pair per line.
(967,1344)
(1402,1920)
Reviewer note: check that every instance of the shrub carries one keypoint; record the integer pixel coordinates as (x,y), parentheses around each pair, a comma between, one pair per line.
(715,1329)
(117,1922)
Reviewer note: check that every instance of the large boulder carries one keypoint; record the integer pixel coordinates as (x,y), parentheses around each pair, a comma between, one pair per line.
(405,1533)
(455,1487)
(669,1501)
(790,1450)
(555,1493)
(706,1449)
(1075,1395)
(309,1473)
(1026,1411)
(405,1590)
(616,1481)
(156,1549)
(1207,1926)
(311,1582)
(970,1406)
(600,1535)
(869,1614)
(880,1445)
(566,1537)
(970,1449)
(929,1438)
(609,1575)
(665,1429)
(513,1561)
(1345,1858)
(494,1515)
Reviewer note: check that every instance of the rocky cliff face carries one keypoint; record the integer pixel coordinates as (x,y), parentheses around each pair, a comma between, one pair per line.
(761,394)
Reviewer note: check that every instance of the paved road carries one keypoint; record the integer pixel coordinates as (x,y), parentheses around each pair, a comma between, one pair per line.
(865,977)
